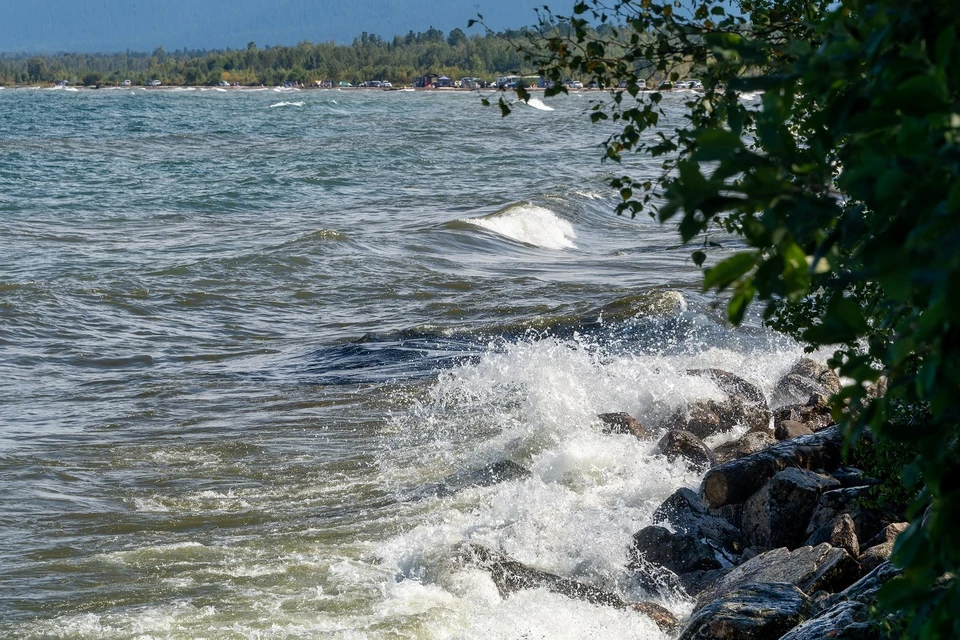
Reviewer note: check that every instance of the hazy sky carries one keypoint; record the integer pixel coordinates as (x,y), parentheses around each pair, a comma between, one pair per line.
(49,26)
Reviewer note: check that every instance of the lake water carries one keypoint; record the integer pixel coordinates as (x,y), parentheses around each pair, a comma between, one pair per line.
(244,333)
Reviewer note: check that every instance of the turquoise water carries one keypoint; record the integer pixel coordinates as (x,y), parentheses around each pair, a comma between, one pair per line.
(240,329)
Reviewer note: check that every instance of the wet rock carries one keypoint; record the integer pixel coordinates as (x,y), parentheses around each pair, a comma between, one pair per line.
(706,418)
(750,612)
(698,541)
(732,385)
(491,474)
(808,568)
(843,621)
(751,442)
(510,576)
(865,589)
(840,532)
(787,429)
(695,582)
(815,413)
(775,515)
(737,480)
(624,423)
(677,443)
(833,503)
(807,377)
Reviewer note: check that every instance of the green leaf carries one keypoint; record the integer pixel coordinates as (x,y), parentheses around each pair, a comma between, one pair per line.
(698,257)
(729,270)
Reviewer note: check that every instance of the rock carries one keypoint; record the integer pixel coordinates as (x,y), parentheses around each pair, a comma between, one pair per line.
(737,480)
(751,442)
(788,429)
(695,582)
(815,413)
(808,568)
(678,552)
(698,542)
(493,473)
(624,423)
(840,532)
(775,515)
(875,556)
(807,377)
(833,503)
(682,444)
(843,621)
(852,477)
(510,576)
(751,612)
(890,533)
(865,589)
(732,385)
(710,417)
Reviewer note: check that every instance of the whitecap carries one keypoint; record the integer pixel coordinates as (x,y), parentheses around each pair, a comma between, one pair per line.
(530,224)
(538,104)
(286,104)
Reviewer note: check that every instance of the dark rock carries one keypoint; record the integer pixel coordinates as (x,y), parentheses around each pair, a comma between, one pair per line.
(776,514)
(751,612)
(710,417)
(751,442)
(875,556)
(737,480)
(787,429)
(682,444)
(493,473)
(695,582)
(816,413)
(838,501)
(624,423)
(510,576)
(843,621)
(865,589)
(678,552)
(808,568)
(732,385)
(852,477)
(698,542)
(840,532)
(732,513)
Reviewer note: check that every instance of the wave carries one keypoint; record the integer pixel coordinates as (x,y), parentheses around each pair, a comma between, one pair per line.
(299,103)
(529,224)
(537,103)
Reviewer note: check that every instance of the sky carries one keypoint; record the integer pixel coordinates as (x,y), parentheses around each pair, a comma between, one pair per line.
(52,26)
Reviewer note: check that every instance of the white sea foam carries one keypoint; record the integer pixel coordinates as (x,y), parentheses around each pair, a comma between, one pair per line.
(537,103)
(286,104)
(530,224)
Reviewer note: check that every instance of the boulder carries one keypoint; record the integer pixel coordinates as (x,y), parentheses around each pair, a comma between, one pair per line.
(879,548)
(843,621)
(750,612)
(737,480)
(510,575)
(776,515)
(732,385)
(698,541)
(808,568)
(677,443)
(695,582)
(624,423)
(815,412)
(852,477)
(807,377)
(889,533)
(787,429)
(751,442)
(706,418)
(833,503)
(840,532)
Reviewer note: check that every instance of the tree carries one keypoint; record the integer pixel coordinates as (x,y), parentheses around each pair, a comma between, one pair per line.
(845,183)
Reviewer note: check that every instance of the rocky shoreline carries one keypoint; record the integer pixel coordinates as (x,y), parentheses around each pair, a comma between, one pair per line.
(773,544)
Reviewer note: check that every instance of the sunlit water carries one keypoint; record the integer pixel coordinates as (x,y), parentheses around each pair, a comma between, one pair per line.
(242,330)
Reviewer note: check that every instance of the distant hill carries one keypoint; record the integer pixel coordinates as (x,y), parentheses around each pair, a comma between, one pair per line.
(48,26)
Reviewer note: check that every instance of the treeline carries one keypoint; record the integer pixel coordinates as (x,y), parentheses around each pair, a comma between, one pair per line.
(369,57)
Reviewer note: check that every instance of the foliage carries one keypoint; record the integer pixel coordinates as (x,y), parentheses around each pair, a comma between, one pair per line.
(369,57)
(844,181)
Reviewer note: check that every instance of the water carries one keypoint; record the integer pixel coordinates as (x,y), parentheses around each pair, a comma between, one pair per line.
(240,330)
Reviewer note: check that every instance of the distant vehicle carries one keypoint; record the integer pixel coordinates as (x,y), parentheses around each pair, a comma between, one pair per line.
(224,83)
(374,83)
(153,83)
(386,83)
(575,84)
(125,83)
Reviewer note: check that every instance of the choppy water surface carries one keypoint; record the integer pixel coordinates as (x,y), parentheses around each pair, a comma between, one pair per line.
(241,331)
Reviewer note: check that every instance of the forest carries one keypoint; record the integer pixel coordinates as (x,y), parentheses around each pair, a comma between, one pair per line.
(368,57)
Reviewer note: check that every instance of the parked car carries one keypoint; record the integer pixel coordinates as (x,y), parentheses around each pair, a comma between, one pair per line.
(575,84)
